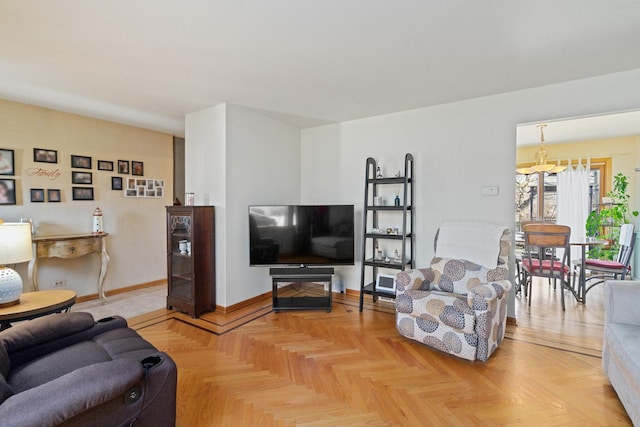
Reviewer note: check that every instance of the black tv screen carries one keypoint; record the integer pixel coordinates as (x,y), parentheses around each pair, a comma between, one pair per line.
(301,235)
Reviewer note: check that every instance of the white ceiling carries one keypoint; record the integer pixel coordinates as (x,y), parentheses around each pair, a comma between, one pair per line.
(308,62)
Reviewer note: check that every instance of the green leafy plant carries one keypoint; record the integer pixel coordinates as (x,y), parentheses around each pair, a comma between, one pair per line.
(606,222)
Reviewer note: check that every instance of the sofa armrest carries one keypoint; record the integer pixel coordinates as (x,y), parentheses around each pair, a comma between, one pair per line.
(621,302)
(479,296)
(413,279)
(57,401)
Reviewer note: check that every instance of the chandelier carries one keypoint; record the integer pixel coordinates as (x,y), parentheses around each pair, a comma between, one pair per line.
(541,157)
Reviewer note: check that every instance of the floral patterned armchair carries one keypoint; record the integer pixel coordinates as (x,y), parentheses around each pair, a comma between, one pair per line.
(456,306)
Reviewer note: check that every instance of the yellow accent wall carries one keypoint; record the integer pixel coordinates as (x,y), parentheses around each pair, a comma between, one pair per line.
(136,226)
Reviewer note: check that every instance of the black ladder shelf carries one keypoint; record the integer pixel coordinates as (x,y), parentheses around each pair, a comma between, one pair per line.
(370,259)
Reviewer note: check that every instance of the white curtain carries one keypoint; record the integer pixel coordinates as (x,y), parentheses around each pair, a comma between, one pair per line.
(573,202)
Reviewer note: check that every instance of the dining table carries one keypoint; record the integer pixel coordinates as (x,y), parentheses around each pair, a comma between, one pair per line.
(584,243)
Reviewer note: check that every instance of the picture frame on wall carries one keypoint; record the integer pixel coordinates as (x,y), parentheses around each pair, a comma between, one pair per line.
(82,193)
(7,191)
(84,178)
(7,163)
(116,183)
(53,196)
(37,195)
(80,162)
(143,188)
(105,165)
(43,155)
(137,168)
(123,167)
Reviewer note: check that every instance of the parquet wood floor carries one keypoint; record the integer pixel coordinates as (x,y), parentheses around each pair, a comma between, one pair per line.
(346,368)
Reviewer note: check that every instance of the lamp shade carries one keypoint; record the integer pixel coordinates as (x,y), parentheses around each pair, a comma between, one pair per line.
(15,243)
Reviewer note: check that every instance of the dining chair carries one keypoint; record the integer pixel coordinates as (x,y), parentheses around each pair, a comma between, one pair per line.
(602,270)
(521,275)
(541,241)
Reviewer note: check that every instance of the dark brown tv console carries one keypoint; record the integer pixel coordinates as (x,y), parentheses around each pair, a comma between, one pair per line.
(301,288)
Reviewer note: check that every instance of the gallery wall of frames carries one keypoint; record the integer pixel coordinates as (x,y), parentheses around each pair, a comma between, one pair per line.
(126,176)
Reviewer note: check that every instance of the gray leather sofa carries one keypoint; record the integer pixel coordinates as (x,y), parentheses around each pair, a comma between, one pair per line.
(66,369)
(621,345)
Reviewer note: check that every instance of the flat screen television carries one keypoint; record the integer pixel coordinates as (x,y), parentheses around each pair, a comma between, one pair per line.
(301,235)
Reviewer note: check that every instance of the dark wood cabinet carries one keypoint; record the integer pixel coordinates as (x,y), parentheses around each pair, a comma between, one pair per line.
(191,271)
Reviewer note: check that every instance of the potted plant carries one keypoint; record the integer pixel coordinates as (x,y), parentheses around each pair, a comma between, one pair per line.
(605,223)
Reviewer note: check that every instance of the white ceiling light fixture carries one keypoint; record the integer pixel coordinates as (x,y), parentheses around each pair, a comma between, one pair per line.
(541,157)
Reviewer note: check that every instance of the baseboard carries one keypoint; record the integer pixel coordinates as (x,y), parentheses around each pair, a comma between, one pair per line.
(352,292)
(242,304)
(91,297)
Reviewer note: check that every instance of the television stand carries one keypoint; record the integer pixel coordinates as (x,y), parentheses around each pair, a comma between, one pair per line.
(301,288)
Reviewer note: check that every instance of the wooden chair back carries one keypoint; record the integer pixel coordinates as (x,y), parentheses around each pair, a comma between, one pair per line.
(542,240)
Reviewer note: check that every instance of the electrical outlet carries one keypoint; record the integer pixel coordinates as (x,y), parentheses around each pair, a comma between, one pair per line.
(61,283)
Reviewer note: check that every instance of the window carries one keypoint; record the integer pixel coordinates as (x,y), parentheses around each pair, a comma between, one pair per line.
(527,189)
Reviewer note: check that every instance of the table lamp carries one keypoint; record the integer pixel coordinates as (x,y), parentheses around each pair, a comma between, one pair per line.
(15,247)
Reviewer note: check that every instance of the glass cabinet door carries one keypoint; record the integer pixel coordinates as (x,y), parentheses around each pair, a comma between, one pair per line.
(180,262)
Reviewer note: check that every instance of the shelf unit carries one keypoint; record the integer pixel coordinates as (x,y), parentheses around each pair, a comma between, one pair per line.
(370,239)
(191,276)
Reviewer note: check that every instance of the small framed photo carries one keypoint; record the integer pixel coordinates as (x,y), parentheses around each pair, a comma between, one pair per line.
(105,165)
(386,283)
(80,162)
(159,191)
(131,183)
(7,164)
(53,196)
(141,191)
(137,168)
(116,183)
(123,167)
(7,191)
(151,184)
(130,192)
(37,195)
(81,177)
(42,155)
(82,193)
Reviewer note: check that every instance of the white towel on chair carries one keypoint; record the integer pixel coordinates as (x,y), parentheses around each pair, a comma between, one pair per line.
(476,242)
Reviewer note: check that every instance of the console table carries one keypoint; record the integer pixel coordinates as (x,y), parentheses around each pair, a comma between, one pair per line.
(70,246)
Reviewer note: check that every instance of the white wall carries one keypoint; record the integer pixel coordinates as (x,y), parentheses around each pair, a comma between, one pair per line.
(136,226)
(205,175)
(263,167)
(261,159)
(458,148)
